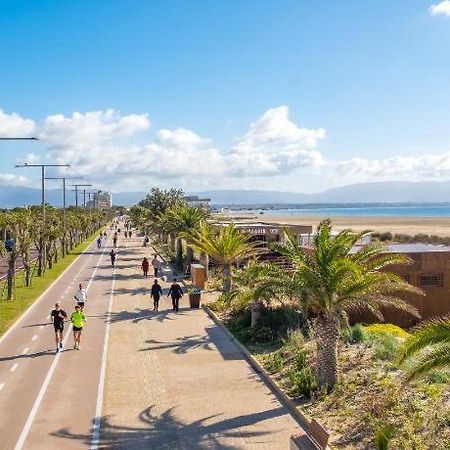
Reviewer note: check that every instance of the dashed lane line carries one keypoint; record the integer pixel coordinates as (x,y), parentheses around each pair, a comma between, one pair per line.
(25,351)
(2,385)
(34,337)
(14,367)
(26,429)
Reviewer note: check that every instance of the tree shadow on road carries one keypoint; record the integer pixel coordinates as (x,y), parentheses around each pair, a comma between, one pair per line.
(182,344)
(141,314)
(165,431)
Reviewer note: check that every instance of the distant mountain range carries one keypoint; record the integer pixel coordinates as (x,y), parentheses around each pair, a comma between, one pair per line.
(382,192)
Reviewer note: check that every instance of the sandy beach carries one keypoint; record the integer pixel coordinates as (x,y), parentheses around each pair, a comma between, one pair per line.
(439,226)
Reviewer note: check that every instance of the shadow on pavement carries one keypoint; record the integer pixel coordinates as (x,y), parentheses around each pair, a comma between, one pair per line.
(142,314)
(48,352)
(214,339)
(165,431)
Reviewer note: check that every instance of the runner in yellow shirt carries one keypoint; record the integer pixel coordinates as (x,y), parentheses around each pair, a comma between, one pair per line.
(77,318)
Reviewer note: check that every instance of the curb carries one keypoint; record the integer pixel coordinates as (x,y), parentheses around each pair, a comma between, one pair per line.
(300,418)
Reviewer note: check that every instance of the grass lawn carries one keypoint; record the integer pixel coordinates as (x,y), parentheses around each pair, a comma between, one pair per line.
(10,310)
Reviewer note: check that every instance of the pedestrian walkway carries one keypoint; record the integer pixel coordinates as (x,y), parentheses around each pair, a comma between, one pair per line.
(176,381)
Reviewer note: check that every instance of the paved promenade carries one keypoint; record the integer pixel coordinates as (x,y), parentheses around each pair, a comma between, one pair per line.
(173,381)
(176,381)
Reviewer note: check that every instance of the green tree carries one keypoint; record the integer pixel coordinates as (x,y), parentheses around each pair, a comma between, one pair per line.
(332,278)
(427,349)
(179,220)
(224,244)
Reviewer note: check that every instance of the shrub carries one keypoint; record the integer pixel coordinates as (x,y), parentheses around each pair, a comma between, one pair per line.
(273,362)
(358,334)
(260,334)
(294,340)
(385,237)
(383,435)
(303,382)
(378,329)
(386,346)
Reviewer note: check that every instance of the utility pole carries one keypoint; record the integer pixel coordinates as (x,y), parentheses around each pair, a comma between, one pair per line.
(76,192)
(64,203)
(42,166)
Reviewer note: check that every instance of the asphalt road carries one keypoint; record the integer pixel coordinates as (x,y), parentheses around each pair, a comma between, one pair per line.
(42,393)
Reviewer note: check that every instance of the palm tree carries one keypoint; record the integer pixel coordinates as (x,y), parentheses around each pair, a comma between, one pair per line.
(332,278)
(428,348)
(224,244)
(254,287)
(182,219)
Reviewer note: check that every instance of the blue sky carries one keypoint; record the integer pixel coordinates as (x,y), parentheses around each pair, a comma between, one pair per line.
(287,94)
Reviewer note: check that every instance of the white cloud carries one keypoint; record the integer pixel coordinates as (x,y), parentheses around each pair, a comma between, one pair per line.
(275,145)
(13,125)
(92,128)
(273,150)
(441,8)
(397,167)
(9,179)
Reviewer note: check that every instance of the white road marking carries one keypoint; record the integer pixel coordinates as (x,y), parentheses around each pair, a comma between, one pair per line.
(26,429)
(101,383)
(42,326)
(2,385)
(25,351)
(14,367)
(34,337)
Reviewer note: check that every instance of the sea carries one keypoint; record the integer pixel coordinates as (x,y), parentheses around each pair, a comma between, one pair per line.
(371,211)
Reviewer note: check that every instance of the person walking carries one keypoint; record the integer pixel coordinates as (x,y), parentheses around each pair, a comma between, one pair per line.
(129,233)
(80,296)
(99,242)
(176,293)
(156,264)
(58,315)
(115,241)
(78,319)
(155,294)
(145,266)
(125,234)
(113,256)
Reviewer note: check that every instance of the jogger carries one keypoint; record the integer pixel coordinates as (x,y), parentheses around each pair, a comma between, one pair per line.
(58,316)
(77,318)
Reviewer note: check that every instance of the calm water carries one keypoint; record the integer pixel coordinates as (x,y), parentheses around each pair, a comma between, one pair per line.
(411,211)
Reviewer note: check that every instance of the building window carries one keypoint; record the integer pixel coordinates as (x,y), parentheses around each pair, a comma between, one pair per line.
(432,279)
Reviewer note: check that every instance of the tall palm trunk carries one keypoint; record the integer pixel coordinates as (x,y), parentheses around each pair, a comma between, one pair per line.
(226,274)
(327,337)
(11,273)
(256,308)
(179,251)
(27,267)
(189,255)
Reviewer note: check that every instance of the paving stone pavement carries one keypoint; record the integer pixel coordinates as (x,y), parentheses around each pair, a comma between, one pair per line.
(176,381)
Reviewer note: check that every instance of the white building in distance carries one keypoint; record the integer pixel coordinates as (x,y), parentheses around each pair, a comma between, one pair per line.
(102,200)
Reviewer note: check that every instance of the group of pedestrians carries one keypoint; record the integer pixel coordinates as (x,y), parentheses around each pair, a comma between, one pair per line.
(77,319)
(156,292)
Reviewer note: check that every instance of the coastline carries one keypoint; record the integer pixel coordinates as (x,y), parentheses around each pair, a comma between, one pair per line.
(439,226)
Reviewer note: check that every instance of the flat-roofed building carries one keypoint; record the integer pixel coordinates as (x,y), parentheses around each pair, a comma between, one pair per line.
(430,271)
(195,200)
(102,200)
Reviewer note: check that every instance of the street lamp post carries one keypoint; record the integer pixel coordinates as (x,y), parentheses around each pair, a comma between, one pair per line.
(76,192)
(65,248)
(42,166)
